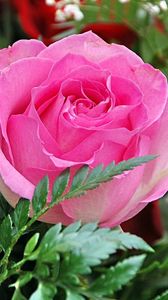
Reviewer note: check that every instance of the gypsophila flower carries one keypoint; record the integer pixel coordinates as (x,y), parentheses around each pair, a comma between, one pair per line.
(152,9)
(73,11)
(50,2)
(163,5)
(124,1)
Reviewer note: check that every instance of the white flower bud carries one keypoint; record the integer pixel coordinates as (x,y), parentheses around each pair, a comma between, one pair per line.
(50,2)
(73,11)
(163,5)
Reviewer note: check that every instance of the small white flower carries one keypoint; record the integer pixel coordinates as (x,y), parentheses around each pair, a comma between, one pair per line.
(163,5)
(73,11)
(50,2)
(60,16)
(124,1)
(152,9)
(62,3)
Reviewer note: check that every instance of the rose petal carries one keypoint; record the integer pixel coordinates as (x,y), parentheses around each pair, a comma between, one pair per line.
(90,46)
(15,91)
(153,85)
(19,50)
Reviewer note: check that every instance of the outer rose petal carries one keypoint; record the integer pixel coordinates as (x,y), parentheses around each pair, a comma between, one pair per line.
(153,184)
(15,91)
(155,180)
(20,49)
(153,84)
(18,184)
(90,46)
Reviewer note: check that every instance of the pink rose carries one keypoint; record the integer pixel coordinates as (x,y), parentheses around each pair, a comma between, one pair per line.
(82,101)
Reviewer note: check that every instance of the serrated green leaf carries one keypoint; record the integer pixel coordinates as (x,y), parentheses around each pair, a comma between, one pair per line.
(130,241)
(60,185)
(163,296)
(127,165)
(71,295)
(72,227)
(96,172)
(31,244)
(89,182)
(40,195)
(116,277)
(86,241)
(21,213)
(72,266)
(6,233)
(45,291)
(49,243)
(88,227)
(79,177)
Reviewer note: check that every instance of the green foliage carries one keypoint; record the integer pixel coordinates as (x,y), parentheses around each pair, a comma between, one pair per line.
(60,185)
(115,277)
(91,180)
(45,291)
(71,295)
(31,244)
(6,233)
(40,195)
(64,258)
(163,296)
(20,214)
(152,280)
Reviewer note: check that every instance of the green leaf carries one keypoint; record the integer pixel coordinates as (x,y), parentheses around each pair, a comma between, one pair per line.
(42,270)
(163,296)
(116,277)
(130,241)
(5,208)
(73,265)
(45,291)
(95,173)
(87,182)
(40,195)
(71,295)
(88,227)
(127,165)
(79,177)
(6,233)
(22,280)
(85,242)
(72,228)
(31,244)
(49,244)
(21,213)
(60,185)
(18,295)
